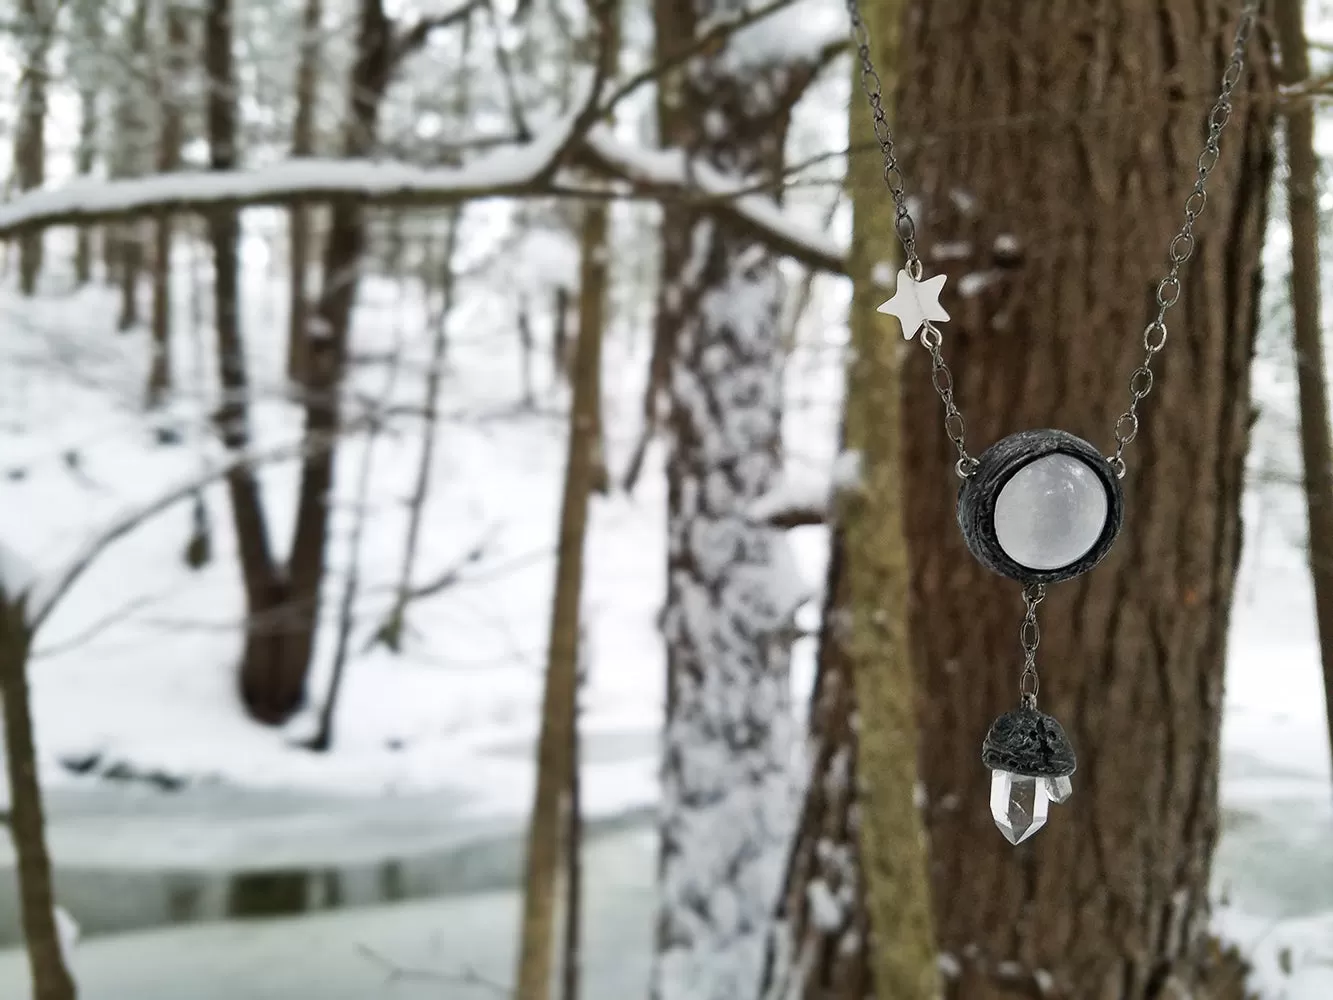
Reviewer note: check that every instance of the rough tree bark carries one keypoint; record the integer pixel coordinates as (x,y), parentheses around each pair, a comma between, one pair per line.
(50,976)
(1311,373)
(37,23)
(170,76)
(727,799)
(303,144)
(1057,143)
(855,917)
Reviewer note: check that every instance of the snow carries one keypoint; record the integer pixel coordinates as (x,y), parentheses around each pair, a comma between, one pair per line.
(17,576)
(799,32)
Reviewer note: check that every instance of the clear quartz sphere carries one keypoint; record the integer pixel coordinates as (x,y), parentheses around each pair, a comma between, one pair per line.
(1051,512)
(1018,804)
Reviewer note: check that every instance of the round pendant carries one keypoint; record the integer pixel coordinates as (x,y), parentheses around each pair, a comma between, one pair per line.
(1042,506)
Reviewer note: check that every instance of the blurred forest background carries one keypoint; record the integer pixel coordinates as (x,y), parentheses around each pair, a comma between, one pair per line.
(465,531)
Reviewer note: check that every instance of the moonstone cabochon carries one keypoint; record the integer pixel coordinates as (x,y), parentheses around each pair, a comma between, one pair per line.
(997,465)
(1029,742)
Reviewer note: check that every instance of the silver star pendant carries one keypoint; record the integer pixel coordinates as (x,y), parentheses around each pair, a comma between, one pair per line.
(916,302)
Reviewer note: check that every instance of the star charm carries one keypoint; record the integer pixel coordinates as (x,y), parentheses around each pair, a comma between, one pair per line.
(916,302)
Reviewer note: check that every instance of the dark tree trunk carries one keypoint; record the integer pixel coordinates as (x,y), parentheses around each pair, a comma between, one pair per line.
(1311,375)
(132,139)
(266,592)
(30,131)
(1067,209)
(170,136)
(84,159)
(90,33)
(818,949)
(303,144)
(51,978)
(326,356)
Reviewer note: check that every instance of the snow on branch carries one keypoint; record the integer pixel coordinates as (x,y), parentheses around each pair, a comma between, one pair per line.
(520,171)
(509,171)
(669,171)
(796,501)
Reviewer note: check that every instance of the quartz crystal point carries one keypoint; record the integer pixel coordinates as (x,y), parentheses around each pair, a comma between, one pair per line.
(1030,759)
(1019,804)
(1059,789)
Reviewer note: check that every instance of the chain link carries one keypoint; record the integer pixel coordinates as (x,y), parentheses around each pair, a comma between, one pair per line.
(1029,636)
(873,86)
(942,378)
(1181,247)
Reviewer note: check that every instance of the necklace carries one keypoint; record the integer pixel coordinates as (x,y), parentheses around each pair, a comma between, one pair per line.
(1039,506)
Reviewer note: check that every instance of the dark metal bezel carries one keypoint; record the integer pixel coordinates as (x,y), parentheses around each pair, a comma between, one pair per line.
(1031,743)
(997,465)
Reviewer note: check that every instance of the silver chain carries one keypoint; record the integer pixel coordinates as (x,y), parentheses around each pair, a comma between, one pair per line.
(1168,289)
(1029,636)
(1181,247)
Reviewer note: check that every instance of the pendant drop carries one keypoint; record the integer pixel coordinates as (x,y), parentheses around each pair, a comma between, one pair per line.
(1030,759)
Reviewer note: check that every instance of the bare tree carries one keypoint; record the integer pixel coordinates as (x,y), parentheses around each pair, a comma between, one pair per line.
(303,144)
(556,748)
(50,976)
(169,78)
(1311,373)
(36,23)
(130,143)
(89,34)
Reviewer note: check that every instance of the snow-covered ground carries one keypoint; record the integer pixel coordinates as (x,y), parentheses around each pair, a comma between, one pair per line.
(433,746)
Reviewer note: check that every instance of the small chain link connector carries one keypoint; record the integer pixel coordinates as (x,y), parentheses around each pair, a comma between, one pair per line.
(1029,636)
(941,378)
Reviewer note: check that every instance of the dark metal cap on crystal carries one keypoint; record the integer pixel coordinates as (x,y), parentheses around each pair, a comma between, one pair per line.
(1029,742)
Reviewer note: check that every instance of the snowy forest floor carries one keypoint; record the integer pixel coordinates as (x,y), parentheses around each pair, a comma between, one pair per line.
(135,673)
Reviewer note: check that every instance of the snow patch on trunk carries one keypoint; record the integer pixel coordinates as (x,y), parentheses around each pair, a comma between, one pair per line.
(728,796)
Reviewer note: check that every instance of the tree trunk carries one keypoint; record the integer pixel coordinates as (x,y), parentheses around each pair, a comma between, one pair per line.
(326,357)
(392,631)
(30,131)
(265,586)
(50,976)
(84,159)
(133,137)
(727,802)
(170,77)
(1067,210)
(571,965)
(856,917)
(1311,376)
(87,71)
(556,743)
(303,144)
